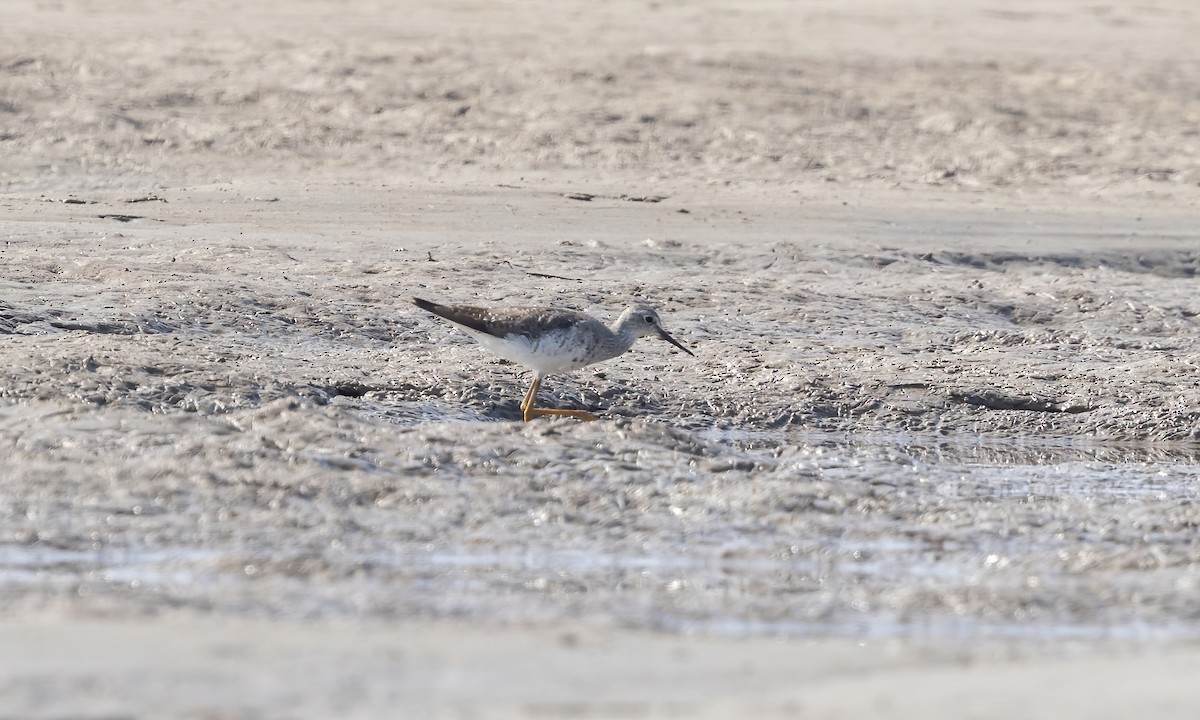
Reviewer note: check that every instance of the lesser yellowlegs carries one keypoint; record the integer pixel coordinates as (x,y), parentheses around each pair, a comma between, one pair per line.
(549,340)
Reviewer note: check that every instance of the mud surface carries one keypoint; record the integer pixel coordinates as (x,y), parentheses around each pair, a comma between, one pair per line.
(943,298)
(922,429)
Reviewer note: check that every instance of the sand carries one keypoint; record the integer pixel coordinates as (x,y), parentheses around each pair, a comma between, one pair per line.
(935,455)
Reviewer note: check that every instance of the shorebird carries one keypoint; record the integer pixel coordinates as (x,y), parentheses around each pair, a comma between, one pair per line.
(550,340)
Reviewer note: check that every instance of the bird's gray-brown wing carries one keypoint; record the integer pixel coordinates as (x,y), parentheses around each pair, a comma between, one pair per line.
(502,322)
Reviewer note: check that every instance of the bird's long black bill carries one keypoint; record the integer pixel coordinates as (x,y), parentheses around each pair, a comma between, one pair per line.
(666,336)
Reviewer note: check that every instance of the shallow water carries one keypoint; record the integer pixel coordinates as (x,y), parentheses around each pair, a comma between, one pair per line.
(768,532)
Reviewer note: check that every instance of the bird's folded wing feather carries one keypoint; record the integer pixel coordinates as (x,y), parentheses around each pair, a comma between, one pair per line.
(508,321)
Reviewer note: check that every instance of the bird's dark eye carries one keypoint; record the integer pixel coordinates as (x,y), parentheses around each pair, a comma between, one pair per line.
(650,319)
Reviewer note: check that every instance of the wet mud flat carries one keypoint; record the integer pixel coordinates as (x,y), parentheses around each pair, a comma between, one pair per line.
(897,425)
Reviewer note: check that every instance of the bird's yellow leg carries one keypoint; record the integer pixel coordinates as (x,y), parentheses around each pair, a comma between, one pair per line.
(529,412)
(530,394)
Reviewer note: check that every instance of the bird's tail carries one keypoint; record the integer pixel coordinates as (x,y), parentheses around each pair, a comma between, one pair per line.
(426,305)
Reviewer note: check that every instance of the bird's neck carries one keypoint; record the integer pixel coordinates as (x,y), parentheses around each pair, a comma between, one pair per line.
(624,334)
(624,325)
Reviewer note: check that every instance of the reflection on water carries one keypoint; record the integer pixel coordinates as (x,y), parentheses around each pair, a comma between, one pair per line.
(962,449)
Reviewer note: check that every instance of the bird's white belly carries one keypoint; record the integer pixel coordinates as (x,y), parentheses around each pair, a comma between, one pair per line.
(553,352)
